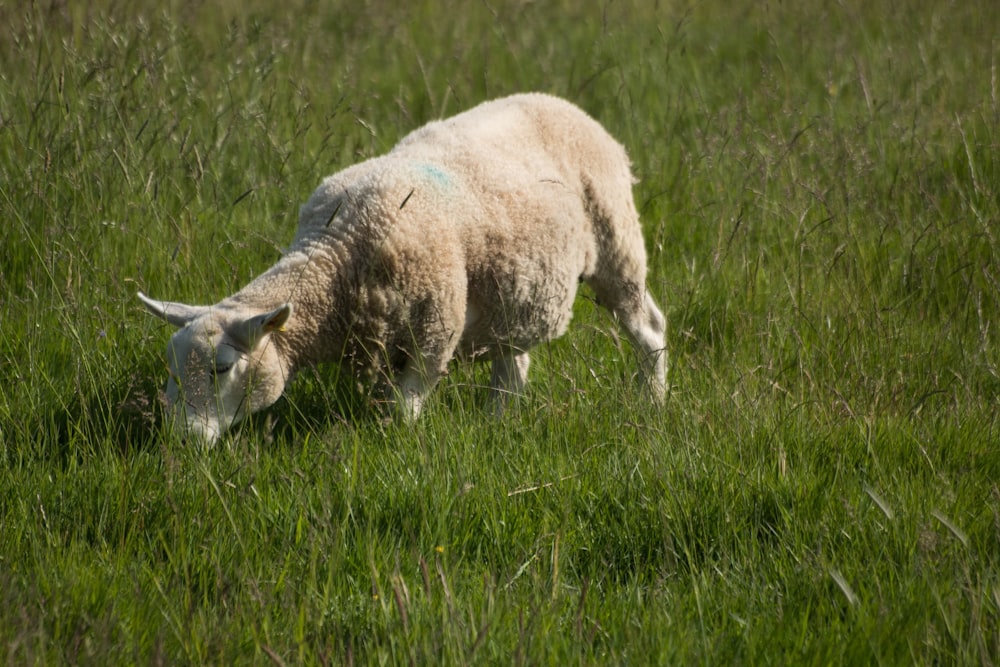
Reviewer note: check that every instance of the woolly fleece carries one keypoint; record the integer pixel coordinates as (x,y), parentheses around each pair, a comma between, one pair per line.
(468,239)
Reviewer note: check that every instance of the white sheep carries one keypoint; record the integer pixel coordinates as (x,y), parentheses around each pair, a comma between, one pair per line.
(468,239)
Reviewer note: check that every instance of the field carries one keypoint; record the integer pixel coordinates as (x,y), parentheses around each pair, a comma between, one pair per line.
(820,191)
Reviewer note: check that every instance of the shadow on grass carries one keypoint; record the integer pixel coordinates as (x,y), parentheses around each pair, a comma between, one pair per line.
(314,403)
(125,416)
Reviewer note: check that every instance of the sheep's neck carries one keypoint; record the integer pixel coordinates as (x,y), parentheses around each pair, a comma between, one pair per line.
(307,281)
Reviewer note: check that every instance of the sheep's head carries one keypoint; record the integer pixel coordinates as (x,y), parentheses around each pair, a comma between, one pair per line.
(223,365)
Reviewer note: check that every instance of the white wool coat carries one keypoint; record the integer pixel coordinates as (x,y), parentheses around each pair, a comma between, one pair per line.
(469,238)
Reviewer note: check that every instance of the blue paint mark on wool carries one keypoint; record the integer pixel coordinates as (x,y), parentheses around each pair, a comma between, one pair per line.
(436,174)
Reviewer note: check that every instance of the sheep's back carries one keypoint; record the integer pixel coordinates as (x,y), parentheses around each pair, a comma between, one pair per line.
(495,197)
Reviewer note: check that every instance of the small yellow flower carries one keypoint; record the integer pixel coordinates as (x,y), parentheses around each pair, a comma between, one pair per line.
(439,549)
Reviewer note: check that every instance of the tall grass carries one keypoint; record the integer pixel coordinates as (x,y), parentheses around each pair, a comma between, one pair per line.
(819,189)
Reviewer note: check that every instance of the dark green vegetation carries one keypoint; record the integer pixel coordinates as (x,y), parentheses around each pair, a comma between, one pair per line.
(820,185)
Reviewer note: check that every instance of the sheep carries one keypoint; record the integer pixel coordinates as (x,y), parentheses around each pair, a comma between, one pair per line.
(468,239)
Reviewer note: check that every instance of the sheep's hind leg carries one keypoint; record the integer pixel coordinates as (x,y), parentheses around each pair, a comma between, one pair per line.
(647,332)
(645,326)
(508,378)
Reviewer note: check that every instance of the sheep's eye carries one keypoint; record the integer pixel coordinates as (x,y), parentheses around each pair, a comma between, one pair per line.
(221,368)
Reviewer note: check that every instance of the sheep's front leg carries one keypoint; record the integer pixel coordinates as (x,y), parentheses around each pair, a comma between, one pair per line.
(412,386)
(509,377)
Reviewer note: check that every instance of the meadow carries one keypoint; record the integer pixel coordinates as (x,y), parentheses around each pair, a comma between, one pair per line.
(819,184)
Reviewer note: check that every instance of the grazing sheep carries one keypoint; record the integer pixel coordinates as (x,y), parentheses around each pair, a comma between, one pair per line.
(468,239)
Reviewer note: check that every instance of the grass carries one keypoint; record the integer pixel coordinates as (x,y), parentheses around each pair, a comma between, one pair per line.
(819,188)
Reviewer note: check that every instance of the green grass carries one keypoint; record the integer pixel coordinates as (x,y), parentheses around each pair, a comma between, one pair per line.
(820,188)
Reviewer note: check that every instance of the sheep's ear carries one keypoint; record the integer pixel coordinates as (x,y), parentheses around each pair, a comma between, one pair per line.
(178,314)
(251,330)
